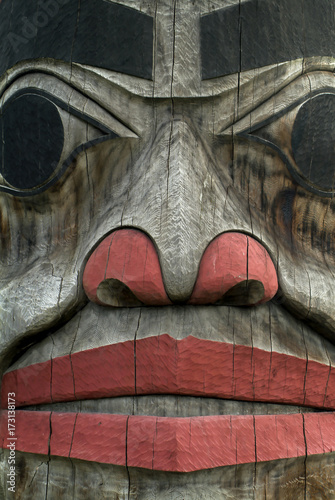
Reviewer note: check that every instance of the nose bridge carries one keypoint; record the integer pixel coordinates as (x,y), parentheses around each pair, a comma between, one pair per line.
(184,210)
(178,196)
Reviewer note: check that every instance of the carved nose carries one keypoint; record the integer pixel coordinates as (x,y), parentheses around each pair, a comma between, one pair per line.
(124,271)
(235,270)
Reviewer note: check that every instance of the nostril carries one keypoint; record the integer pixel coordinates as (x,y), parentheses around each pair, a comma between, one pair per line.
(235,270)
(245,293)
(124,271)
(113,292)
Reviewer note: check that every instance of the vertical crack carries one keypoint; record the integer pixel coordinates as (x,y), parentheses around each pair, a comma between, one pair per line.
(73,378)
(135,359)
(75,31)
(155,43)
(59,294)
(49,457)
(234,380)
(36,470)
(128,474)
(253,366)
(174,47)
(310,297)
(153,445)
(270,332)
(329,372)
(305,460)
(51,367)
(255,468)
(247,269)
(70,357)
(172,100)
(240,61)
(74,428)
(69,456)
(305,377)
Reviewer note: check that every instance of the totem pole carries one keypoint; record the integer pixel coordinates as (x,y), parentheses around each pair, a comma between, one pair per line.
(167,298)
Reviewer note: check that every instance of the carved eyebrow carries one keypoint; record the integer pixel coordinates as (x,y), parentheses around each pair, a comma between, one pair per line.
(255,33)
(95,32)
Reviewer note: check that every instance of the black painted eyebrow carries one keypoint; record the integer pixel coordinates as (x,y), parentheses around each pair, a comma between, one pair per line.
(257,33)
(93,32)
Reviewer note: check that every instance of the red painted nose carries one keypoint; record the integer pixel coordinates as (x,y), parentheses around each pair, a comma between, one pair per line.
(235,270)
(124,271)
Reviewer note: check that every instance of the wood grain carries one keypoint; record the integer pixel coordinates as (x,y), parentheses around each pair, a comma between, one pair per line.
(193,160)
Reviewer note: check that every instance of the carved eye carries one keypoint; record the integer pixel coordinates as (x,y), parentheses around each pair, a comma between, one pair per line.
(313,140)
(32,141)
(40,136)
(304,136)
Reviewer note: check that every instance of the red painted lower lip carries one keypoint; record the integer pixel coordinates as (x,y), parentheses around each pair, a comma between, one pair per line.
(163,365)
(172,444)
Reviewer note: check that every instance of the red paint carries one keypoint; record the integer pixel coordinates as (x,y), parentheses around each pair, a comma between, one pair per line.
(190,366)
(330,392)
(32,385)
(100,437)
(173,444)
(189,444)
(32,431)
(279,436)
(316,384)
(62,426)
(62,376)
(228,260)
(129,256)
(104,371)
(320,432)
(3,428)
(164,365)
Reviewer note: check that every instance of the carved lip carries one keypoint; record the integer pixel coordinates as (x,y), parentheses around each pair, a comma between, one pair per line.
(164,365)
(172,444)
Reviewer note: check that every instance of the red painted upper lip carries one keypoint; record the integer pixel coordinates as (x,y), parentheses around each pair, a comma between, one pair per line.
(163,365)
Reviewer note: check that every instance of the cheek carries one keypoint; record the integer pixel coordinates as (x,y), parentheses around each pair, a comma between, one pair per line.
(299,220)
(313,223)
(33,229)
(259,175)
(52,223)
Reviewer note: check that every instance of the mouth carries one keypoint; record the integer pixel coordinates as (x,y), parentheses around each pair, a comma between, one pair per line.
(201,391)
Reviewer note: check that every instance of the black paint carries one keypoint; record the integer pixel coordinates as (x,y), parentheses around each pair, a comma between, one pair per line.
(257,33)
(32,141)
(313,140)
(220,42)
(93,32)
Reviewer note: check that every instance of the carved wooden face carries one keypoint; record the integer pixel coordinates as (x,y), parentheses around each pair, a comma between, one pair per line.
(167,247)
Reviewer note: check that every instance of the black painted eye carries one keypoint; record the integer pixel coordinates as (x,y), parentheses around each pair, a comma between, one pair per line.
(313,140)
(304,137)
(32,141)
(40,135)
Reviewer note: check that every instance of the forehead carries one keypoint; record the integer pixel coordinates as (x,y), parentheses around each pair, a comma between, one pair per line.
(170,45)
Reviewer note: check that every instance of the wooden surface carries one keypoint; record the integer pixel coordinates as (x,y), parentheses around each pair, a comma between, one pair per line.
(217,140)
(71,478)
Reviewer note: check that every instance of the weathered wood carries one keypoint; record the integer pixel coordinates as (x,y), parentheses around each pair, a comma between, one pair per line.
(78,479)
(193,126)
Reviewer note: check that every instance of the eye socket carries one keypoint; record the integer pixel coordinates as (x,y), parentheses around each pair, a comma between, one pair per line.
(40,135)
(313,140)
(32,141)
(304,136)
